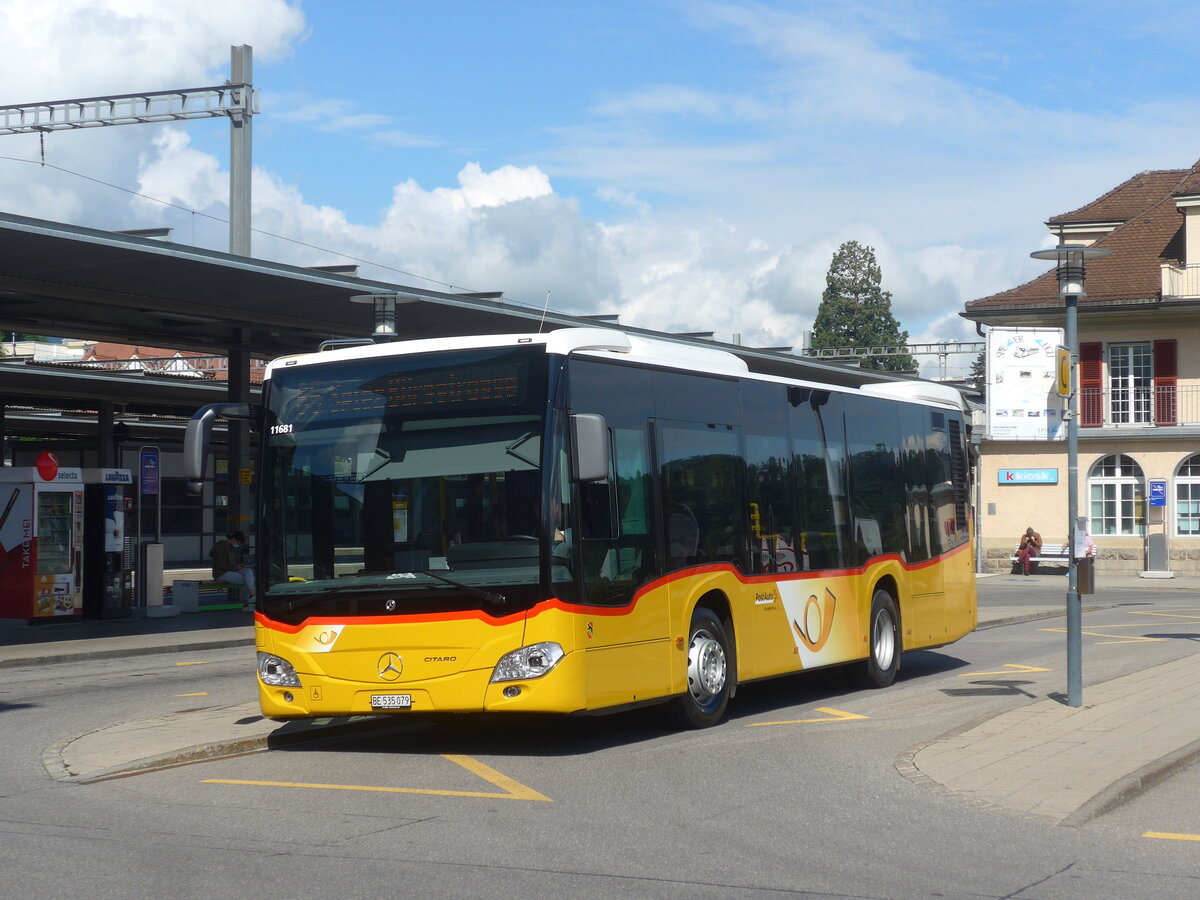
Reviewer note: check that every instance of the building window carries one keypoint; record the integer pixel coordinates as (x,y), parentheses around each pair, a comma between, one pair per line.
(1142,384)
(1116,487)
(1130,383)
(1187,498)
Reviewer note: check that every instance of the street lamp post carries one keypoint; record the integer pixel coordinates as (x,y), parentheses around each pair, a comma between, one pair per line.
(1071,259)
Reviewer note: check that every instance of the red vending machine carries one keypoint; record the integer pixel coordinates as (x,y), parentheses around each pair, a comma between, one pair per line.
(41,537)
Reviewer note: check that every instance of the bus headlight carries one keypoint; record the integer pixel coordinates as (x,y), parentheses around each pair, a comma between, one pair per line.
(533,661)
(275,670)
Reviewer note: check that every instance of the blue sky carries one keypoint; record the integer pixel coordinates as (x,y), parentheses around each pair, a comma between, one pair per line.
(689,165)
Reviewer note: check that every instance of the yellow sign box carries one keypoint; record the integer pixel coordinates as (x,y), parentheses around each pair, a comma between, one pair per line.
(1063,367)
(245,476)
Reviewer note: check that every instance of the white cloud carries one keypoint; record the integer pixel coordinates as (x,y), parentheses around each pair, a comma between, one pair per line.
(504,185)
(676,100)
(333,115)
(727,225)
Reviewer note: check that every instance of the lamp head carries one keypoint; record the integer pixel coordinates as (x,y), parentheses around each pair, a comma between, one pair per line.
(1071,259)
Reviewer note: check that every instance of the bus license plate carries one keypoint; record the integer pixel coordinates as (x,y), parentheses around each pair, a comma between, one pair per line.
(391,701)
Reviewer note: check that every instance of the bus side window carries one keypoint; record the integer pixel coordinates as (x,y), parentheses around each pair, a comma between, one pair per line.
(773,547)
(819,475)
(703,495)
(616,562)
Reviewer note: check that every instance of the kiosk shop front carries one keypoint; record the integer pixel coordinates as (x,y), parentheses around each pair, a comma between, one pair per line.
(41,539)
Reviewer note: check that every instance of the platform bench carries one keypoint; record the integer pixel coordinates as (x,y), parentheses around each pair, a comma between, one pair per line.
(187,594)
(1050,553)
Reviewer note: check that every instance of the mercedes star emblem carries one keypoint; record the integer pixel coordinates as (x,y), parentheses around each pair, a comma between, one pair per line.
(390,666)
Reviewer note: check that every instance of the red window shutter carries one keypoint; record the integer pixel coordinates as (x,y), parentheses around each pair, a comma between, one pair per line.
(1091,384)
(1165,381)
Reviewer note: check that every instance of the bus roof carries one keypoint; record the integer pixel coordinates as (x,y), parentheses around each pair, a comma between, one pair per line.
(608,343)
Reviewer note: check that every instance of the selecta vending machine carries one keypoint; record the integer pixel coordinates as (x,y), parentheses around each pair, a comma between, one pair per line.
(41,538)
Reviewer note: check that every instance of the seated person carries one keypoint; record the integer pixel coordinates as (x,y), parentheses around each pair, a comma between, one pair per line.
(1030,546)
(228,567)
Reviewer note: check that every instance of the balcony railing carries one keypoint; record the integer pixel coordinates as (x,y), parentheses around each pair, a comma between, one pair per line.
(1161,406)
(1180,281)
(206,367)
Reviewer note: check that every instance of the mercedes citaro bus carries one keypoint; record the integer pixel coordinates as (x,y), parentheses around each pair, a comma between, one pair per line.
(588,520)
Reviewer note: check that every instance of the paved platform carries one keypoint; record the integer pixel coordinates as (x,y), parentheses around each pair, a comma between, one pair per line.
(1066,764)
(1061,764)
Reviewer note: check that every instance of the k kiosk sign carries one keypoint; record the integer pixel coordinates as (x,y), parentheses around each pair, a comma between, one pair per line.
(1027,476)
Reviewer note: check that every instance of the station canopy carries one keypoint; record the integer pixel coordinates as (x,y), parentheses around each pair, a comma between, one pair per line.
(73,282)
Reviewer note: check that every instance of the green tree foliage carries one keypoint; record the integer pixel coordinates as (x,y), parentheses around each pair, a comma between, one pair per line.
(978,376)
(856,312)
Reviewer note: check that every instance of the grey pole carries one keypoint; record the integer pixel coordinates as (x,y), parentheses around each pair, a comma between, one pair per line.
(241,66)
(240,73)
(1071,259)
(1074,609)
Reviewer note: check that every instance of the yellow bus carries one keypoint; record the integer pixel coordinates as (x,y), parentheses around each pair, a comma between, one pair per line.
(589,520)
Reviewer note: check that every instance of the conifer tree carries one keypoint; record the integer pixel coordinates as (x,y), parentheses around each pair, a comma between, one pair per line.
(856,312)
(978,376)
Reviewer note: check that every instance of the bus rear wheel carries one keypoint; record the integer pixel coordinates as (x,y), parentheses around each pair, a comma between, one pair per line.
(883,661)
(709,673)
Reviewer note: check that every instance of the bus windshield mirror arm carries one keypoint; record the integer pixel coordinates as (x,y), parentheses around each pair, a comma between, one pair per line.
(489,596)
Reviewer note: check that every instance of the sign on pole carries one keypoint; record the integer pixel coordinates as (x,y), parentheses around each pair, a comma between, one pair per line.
(1063,365)
(1023,396)
(1158,492)
(148,470)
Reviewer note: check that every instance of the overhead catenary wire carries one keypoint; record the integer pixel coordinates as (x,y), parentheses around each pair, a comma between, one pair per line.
(194,212)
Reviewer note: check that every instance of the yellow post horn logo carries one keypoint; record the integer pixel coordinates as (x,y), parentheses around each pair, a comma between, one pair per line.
(818,622)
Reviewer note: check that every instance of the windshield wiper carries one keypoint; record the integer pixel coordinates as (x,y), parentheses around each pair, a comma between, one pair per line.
(489,596)
(511,449)
(290,605)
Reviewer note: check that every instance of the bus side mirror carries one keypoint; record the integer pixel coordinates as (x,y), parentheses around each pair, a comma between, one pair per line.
(199,431)
(589,447)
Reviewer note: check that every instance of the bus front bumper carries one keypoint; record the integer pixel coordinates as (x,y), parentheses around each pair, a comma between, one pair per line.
(562,690)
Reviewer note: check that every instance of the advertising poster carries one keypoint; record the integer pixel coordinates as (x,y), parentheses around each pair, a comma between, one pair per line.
(1022,394)
(18,560)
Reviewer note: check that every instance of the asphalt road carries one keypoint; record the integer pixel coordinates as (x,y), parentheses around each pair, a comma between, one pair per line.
(796,794)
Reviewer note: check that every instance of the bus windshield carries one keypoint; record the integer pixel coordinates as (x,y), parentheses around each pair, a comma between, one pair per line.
(404,475)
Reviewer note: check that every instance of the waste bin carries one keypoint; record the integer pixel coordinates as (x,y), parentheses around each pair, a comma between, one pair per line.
(1085,575)
(186,595)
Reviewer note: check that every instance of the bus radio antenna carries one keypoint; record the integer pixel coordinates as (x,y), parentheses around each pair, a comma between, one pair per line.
(544,308)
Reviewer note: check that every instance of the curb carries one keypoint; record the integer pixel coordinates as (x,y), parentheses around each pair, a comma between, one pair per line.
(285,735)
(1134,785)
(77,656)
(1033,617)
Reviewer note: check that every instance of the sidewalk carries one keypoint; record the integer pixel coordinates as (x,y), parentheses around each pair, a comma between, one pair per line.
(1046,759)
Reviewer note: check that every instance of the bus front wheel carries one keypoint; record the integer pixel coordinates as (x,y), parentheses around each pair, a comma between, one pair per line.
(709,672)
(883,660)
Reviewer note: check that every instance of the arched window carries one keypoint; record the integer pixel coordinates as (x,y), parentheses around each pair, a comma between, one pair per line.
(1187,498)
(1115,488)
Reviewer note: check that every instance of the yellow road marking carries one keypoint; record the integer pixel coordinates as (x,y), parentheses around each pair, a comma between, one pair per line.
(1167,836)
(196,694)
(1009,669)
(835,715)
(198,663)
(1164,615)
(1130,639)
(512,790)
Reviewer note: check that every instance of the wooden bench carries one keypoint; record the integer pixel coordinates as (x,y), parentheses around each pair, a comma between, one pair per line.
(1050,553)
